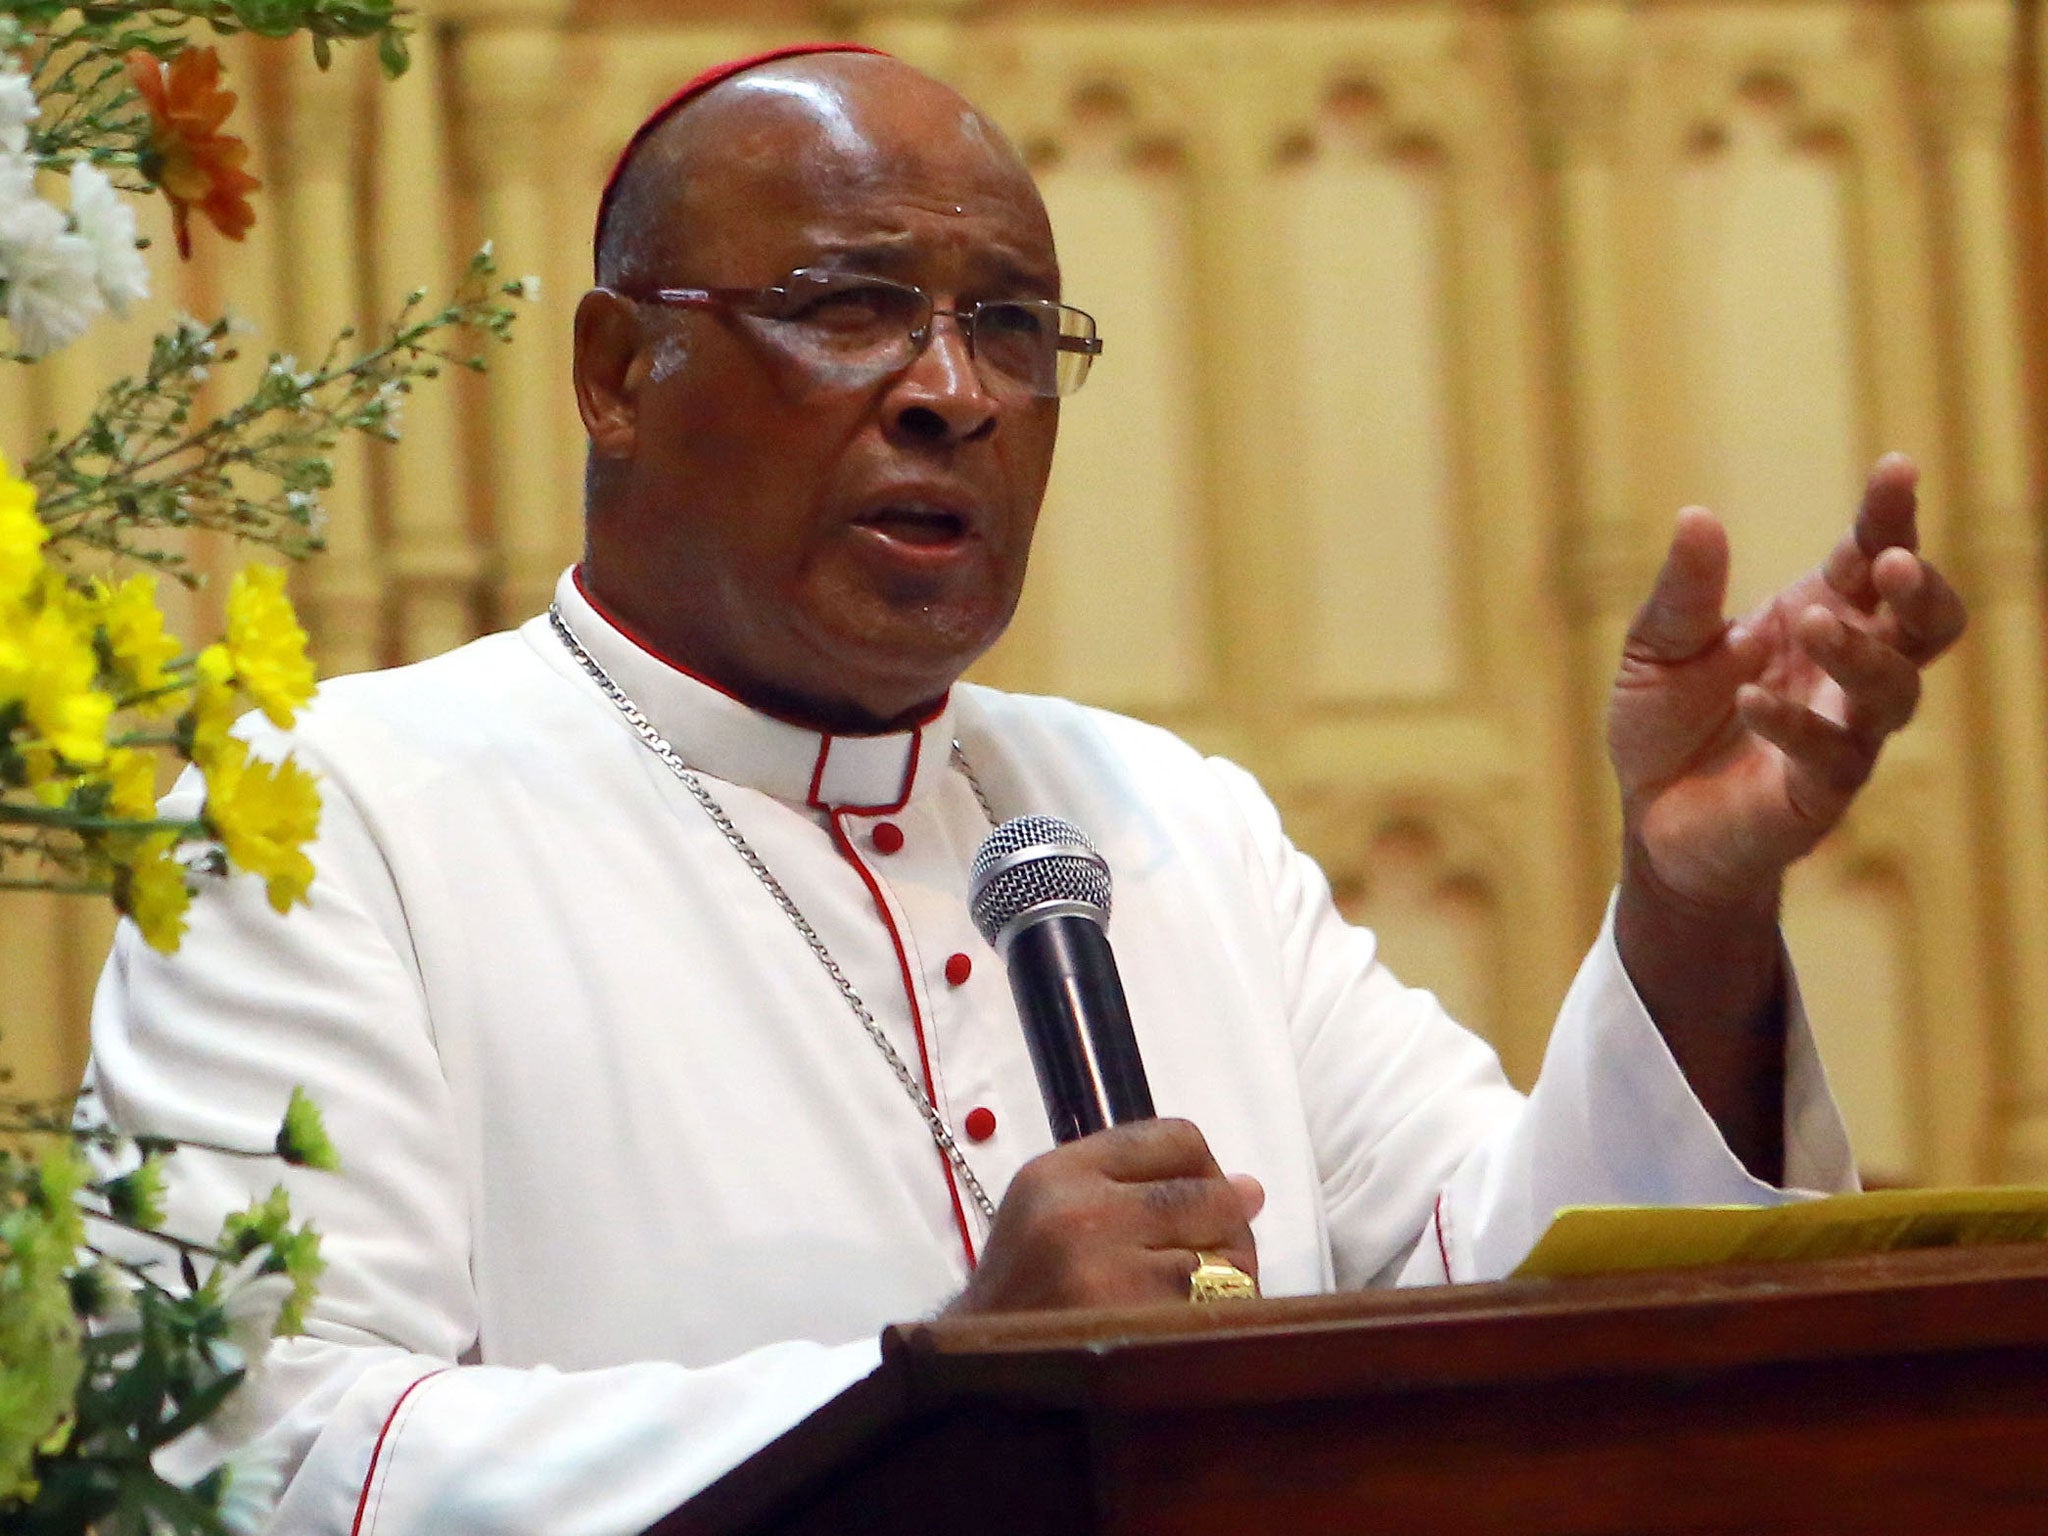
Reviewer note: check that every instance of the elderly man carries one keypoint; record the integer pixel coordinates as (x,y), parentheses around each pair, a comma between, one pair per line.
(638,986)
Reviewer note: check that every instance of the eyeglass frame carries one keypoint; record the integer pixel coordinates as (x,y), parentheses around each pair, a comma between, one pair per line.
(920,336)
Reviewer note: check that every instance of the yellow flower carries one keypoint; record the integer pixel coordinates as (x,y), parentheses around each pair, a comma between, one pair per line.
(124,785)
(134,627)
(214,706)
(132,777)
(47,665)
(150,887)
(51,788)
(266,644)
(264,814)
(21,536)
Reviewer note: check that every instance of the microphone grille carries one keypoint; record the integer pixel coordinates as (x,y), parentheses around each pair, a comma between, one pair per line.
(1031,861)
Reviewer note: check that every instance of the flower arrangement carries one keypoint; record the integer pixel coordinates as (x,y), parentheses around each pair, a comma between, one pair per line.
(104,1359)
(115,1335)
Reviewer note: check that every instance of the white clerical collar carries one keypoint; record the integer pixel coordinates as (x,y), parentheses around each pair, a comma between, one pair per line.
(717,734)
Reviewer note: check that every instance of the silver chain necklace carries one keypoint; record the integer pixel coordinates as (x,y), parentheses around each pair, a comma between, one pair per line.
(656,743)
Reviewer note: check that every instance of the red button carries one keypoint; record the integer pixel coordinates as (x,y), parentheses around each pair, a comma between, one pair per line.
(958,969)
(887,837)
(981,1124)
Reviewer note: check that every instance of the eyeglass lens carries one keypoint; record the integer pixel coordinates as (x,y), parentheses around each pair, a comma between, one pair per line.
(872,323)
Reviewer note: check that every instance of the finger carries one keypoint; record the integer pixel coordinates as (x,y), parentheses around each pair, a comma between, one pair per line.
(1140,1151)
(1889,515)
(1682,615)
(1928,614)
(1137,1278)
(1252,1192)
(1189,1213)
(1886,519)
(1825,764)
(1880,685)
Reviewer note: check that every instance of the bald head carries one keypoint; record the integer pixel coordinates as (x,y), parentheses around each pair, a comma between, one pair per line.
(864,114)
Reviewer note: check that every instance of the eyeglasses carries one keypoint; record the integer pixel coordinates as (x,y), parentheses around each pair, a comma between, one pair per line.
(868,327)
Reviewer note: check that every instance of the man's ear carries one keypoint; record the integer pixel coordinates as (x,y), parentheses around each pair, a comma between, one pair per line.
(610,371)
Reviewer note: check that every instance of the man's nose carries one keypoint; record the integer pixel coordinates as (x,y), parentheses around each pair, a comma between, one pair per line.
(940,397)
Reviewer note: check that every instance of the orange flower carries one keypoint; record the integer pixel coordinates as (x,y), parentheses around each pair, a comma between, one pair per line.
(196,165)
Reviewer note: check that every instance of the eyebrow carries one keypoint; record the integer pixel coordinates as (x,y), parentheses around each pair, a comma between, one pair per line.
(889,255)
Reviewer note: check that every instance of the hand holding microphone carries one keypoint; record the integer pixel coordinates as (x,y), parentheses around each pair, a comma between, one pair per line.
(1126,1206)
(1039,893)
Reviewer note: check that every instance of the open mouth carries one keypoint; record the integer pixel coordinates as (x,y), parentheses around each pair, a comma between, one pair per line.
(925,527)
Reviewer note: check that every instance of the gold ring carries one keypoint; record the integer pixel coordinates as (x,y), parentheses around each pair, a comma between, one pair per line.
(1217,1279)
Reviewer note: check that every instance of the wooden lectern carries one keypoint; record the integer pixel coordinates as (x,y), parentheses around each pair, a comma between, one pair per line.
(1861,1397)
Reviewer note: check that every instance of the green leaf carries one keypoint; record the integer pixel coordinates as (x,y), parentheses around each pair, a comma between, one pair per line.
(165,1507)
(197,1409)
(393,54)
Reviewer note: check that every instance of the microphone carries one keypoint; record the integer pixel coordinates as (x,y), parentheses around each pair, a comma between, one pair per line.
(1039,893)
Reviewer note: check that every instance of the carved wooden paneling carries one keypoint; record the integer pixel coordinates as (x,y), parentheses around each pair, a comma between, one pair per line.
(1769,341)
(1430,890)
(1125,497)
(1364,276)
(437,552)
(1851,932)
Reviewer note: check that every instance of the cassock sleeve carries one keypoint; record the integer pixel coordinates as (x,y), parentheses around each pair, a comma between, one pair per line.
(1433,1167)
(372,1417)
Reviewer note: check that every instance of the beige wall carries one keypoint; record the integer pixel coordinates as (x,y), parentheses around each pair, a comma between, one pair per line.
(1422,322)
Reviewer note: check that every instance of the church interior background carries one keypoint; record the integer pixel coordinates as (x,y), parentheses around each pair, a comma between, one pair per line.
(1423,318)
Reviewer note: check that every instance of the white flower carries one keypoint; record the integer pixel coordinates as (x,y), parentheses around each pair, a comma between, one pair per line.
(52,294)
(251,1302)
(385,412)
(248,1497)
(107,223)
(285,366)
(306,507)
(529,288)
(17,110)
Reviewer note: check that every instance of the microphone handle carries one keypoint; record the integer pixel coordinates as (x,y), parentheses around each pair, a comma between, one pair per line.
(1078,1026)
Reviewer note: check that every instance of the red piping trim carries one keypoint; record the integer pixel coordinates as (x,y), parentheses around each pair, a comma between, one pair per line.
(1443,1245)
(845,846)
(377,1450)
(818,775)
(918,722)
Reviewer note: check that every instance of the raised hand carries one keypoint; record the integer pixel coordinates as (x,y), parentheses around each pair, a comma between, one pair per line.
(1739,746)
(1114,1219)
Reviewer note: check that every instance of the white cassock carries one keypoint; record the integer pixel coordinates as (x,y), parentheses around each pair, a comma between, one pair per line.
(627,1190)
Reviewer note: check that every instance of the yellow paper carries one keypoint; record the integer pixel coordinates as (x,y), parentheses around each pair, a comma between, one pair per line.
(1607,1239)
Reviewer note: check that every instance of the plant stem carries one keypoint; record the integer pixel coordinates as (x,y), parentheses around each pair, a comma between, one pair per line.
(183,1245)
(50,507)
(67,821)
